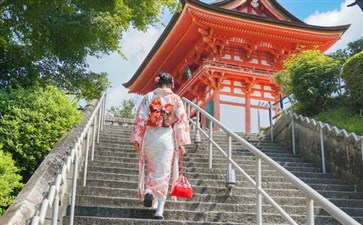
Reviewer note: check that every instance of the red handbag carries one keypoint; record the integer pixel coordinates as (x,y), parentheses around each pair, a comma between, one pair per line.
(182,187)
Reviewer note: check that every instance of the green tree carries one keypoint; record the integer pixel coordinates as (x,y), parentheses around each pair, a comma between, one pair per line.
(312,77)
(31,122)
(47,42)
(352,74)
(9,180)
(283,78)
(125,110)
(352,48)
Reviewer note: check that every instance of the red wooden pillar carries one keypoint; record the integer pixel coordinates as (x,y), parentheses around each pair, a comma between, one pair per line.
(204,119)
(248,112)
(217,108)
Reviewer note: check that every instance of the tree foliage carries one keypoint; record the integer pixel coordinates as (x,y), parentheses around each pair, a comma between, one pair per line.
(47,42)
(283,78)
(9,180)
(352,74)
(311,77)
(352,49)
(31,122)
(125,110)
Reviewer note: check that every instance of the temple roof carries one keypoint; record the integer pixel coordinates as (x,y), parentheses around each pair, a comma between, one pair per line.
(274,3)
(174,31)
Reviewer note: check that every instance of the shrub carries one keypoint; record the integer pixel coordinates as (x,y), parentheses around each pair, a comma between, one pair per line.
(313,79)
(31,122)
(9,181)
(352,73)
(283,78)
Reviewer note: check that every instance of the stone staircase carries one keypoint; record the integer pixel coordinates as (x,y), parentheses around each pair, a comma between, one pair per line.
(110,196)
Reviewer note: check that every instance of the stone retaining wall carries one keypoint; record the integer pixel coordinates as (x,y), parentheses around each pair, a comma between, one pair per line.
(342,155)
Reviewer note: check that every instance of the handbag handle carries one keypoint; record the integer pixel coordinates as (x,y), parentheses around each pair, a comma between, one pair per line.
(181,163)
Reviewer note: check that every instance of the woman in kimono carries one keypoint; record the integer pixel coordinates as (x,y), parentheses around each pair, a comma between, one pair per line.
(159,134)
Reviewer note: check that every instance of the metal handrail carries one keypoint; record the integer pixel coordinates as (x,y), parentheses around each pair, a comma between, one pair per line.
(309,121)
(321,126)
(275,106)
(311,194)
(95,121)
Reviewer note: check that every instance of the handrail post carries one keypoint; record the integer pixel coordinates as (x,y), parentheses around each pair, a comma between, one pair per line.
(258,194)
(103,111)
(322,150)
(99,123)
(86,158)
(231,176)
(188,110)
(293,134)
(55,210)
(258,117)
(281,102)
(271,125)
(197,133)
(309,211)
(94,127)
(210,148)
(74,187)
(229,151)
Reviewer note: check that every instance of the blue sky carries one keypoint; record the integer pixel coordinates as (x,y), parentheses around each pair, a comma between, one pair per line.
(303,8)
(136,45)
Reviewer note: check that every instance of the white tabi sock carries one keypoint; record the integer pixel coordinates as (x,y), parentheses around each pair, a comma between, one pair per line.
(148,191)
(160,209)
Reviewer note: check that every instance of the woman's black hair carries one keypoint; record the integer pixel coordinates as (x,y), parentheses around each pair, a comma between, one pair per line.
(165,78)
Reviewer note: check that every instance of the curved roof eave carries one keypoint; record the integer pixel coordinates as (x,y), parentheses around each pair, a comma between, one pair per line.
(205,6)
(267,19)
(153,50)
(274,3)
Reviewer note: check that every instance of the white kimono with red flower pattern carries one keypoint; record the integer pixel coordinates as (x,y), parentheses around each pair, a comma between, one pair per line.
(158,143)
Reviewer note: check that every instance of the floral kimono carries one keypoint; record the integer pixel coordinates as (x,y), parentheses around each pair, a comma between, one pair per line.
(158,140)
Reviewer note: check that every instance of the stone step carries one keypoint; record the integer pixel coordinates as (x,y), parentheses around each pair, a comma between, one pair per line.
(220,141)
(85,200)
(132,184)
(203,161)
(203,166)
(111,191)
(219,191)
(216,155)
(321,184)
(219,137)
(354,203)
(198,184)
(87,220)
(197,158)
(241,188)
(204,189)
(122,176)
(183,215)
(133,178)
(219,197)
(205,172)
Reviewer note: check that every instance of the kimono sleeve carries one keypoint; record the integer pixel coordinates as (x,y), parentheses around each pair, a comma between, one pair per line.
(181,127)
(138,129)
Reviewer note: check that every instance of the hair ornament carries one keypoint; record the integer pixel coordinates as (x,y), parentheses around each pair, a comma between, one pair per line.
(157,79)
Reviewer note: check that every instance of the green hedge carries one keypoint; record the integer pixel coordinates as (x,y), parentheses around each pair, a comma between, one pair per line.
(32,121)
(352,74)
(9,180)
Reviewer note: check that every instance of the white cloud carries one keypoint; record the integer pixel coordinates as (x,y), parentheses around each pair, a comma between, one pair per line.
(342,16)
(135,45)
